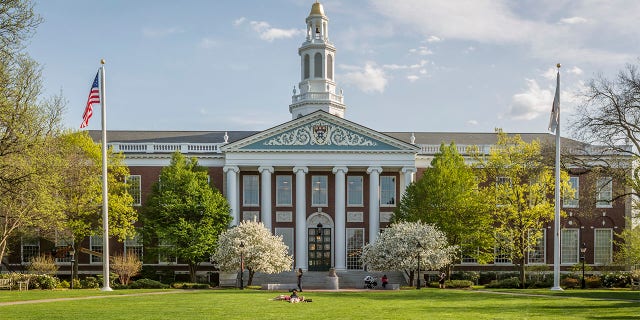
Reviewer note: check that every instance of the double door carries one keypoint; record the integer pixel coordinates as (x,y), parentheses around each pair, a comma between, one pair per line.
(319,244)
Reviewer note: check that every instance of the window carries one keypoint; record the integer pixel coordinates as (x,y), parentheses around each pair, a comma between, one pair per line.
(134,246)
(134,183)
(570,201)
(569,246)
(502,250)
(166,255)
(603,241)
(537,251)
(319,191)
(30,248)
(355,242)
(317,65)
(283,190)
(330,67)
(354,190)
(467,256)
(95,243)
(63,241)
(250,191)
(307,68)
(604,192)
(387,191)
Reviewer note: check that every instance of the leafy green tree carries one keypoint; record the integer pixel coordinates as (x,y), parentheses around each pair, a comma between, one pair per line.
(28,125)
(185,211)
(520,189)
(403,244)
(80,188)
(262,251)
(629,247)
(447,196)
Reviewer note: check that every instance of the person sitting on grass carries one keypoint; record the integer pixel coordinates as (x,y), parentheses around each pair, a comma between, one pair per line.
(295,298)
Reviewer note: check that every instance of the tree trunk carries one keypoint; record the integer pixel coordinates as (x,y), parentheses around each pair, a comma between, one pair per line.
(193,268)
(250,280)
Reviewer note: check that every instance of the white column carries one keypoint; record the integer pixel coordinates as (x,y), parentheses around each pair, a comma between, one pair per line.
(232,192)
(301,218)
(409,175)
(340,218)
(265,196)
(374,202)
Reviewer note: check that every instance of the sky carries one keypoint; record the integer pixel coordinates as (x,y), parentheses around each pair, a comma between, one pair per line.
(403,65)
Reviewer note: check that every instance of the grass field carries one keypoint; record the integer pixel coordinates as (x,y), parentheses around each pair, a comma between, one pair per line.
(253,304)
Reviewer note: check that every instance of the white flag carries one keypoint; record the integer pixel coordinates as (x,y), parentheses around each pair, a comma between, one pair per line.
(555,110)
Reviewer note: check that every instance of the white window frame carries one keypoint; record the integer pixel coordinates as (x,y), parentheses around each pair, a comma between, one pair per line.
(355,243)
(572,202)
(62,241)
(134,245)
(355,191)
(163,255)
(96,244)
(251,190)
(319,191)
(284,190)
(134,184)
(386,193)
(540,249)
(604,192)
(602,252)
(468,259)
(570,247)
(29,248)
(502,255)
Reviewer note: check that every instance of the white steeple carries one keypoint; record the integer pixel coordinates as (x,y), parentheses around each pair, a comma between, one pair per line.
(318,89)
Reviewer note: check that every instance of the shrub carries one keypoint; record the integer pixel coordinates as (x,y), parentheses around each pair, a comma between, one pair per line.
(64,284)
(147,284)
(509,283)
(43,281)
(569,283)
(616,279)
(593,282)
(43,264)
(472,276)
(458,284)
(126,266)
(189,285)
(540,283)
(89,283)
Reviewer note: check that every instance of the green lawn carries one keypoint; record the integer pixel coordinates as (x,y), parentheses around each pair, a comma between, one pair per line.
(251,304)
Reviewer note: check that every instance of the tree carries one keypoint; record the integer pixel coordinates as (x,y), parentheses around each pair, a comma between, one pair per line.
(262,251)
(609,117)
(400,245)
(629,247)
(519,187)
(185,212)
(448,197)
(80,189)
(125,266)
(28,125)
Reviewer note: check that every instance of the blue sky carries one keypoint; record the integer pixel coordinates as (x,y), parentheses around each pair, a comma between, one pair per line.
(404,65)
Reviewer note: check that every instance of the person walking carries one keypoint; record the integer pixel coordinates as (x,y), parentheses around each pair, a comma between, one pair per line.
(299,274)
(443,276)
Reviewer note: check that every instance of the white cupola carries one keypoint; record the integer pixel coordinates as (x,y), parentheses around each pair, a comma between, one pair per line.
(317,89)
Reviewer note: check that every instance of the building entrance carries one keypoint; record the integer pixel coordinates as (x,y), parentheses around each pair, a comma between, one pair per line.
(319,239)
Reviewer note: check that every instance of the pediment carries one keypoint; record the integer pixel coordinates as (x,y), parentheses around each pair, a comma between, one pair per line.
(320,131)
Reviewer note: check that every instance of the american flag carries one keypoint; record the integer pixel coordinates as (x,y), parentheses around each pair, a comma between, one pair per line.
(94,97)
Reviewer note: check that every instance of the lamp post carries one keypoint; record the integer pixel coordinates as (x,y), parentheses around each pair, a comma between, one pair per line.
(72,253)
(418,275)
(241,265)
(583,250)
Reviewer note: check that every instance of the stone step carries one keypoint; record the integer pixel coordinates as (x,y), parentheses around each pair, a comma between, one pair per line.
(320,280)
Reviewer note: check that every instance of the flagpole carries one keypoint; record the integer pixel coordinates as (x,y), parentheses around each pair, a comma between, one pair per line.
(105,185)
(556,227)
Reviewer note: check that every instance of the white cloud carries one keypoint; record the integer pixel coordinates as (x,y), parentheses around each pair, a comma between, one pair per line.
(530,104)
(472,122)
(207,43)
(413,78)
(370,78)
(267,32)
(573,20)
(575,70)
(160,32)
(433,39)
(423,51)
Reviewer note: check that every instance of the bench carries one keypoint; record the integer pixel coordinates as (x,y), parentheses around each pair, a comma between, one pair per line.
(23,285)
(391,286)
(5,284)
(635,285)
(279,286)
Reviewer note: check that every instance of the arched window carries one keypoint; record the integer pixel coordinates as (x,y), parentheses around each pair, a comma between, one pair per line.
(306,66)
(330,67)
(317,65)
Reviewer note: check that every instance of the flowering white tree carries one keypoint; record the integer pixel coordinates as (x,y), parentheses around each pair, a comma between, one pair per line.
(400,245)
(262,251)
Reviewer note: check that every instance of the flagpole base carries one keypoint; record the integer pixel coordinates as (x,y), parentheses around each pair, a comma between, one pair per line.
(557,289)
(106,289)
